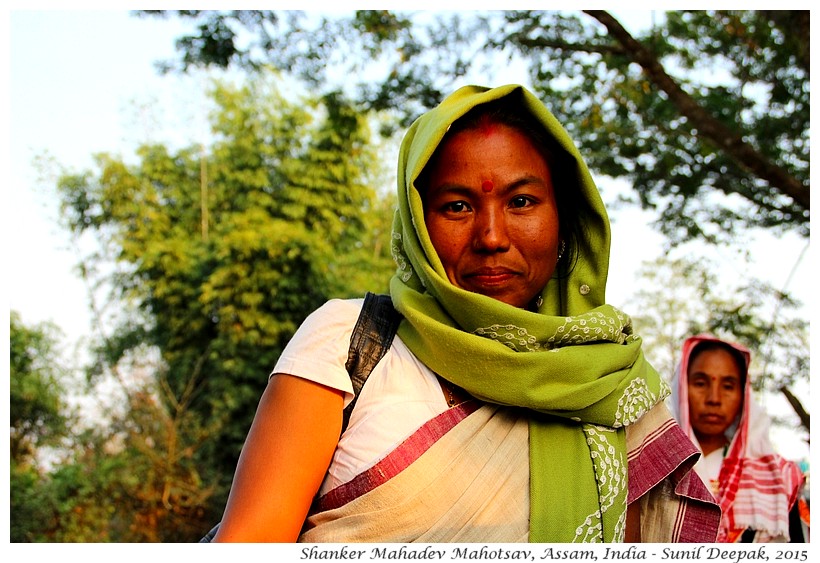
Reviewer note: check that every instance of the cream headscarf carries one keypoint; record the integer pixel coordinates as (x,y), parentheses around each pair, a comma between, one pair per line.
(574,363)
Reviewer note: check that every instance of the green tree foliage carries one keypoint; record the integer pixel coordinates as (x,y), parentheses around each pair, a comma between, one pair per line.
(706,114)
(129,475)
(39,419)
(118,483)
(29,504)
(223,252)
(134,478)
(36,406)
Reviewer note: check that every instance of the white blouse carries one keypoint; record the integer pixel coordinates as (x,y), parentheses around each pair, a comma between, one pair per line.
(400,395)
(708,468)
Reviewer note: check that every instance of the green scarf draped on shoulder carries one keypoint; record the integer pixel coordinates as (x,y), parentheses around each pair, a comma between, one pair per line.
(574,363)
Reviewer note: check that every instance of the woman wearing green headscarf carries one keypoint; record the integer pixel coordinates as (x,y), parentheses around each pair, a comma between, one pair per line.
(514,404)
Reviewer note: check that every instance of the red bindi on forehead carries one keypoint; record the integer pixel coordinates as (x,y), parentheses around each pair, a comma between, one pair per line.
(487,186)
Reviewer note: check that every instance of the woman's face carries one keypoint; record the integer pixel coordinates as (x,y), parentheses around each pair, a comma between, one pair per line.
(490,212)
(715,393)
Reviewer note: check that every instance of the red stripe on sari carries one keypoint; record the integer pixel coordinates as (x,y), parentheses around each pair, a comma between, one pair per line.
(399,459)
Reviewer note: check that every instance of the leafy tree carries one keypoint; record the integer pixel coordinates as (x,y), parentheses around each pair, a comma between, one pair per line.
(126,475)
(29,504)
(222,252)
(667,317)
(134,478)
(38,413)
(706,114)
(39,419)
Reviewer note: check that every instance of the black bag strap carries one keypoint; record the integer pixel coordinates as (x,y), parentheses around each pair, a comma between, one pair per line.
(371,339)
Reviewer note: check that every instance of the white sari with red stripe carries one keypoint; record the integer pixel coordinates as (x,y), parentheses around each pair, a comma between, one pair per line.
(464,477)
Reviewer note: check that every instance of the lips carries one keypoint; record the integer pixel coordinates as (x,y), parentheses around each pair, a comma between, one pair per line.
(491,276)
(711,418)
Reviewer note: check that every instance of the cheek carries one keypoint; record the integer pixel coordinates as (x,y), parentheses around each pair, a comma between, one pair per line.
(694,399)
(541,229)
(447,242)
(693,404)
(539,242)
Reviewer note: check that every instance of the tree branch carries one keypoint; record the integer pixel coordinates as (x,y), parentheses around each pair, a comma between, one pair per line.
(707,126)
(798,408)
(539,43)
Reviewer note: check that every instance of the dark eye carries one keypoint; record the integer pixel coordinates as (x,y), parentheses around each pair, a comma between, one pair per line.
(520,201)
(456,207)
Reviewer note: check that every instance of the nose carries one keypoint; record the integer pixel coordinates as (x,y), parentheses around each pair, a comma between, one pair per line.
(490,231)
(713,395)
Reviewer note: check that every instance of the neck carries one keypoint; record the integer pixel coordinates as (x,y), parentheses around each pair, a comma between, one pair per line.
(708,444)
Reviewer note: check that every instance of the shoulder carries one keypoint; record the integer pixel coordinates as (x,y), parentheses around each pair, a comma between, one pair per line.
(318,350)
(336,313)
(333,320)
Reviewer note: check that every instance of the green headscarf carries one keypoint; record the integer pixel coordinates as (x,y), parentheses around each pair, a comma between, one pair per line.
(574,363)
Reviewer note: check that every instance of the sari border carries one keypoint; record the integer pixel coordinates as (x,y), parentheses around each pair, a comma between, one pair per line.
(697,514)
(650,463)
(398,459)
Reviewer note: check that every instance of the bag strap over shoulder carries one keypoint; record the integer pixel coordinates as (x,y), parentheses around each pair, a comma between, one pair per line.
(371,339)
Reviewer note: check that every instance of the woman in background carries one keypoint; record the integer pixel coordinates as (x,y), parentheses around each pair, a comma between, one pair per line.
(757,489)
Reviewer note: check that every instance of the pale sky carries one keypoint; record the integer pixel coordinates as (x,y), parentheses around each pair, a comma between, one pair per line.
(82,82)
(75,79)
